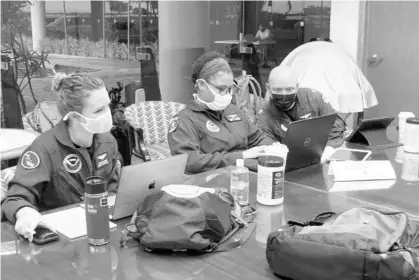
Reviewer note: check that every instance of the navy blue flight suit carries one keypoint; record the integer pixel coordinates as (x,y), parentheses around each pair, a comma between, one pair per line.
(309,104)
(213,139)
(51,172)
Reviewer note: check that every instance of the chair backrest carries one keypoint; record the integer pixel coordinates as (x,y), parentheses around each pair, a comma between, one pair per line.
(250,103)
(153,117)
(43,117)
(6,175)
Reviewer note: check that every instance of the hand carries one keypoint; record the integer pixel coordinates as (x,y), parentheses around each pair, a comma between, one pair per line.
(27,219)
(327,153)
(254,152)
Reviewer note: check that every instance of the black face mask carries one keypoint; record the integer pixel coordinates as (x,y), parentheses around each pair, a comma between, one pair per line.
(284,102)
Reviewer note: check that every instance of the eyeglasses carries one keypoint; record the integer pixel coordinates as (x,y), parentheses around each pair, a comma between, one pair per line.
(224,90)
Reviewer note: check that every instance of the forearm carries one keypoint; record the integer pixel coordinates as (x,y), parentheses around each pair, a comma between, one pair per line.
(261,136)
(18,197)
(199,162)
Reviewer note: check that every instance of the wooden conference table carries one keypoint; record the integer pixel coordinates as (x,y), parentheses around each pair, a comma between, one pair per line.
(305,195)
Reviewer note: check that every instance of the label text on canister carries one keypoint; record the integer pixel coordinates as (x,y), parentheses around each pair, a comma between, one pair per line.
(270,182)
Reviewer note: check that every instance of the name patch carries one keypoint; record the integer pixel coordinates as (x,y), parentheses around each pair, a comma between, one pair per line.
(233,118)
(306,116)
(102,160)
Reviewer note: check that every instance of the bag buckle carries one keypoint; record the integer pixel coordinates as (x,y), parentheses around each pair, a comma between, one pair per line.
(211,247)
(241,222)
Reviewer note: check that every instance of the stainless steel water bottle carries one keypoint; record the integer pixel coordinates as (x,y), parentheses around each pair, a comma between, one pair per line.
(97,213)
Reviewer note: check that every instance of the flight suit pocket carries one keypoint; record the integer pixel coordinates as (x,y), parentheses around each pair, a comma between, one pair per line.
(67,187)
(112,174)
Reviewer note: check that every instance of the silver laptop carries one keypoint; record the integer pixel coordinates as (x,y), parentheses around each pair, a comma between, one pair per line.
(140,180)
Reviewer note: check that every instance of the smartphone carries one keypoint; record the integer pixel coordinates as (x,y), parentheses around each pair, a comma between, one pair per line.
(44,235)
(350,154)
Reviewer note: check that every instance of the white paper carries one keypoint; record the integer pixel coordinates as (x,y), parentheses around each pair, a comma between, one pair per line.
(361,185)
(362,170)
(70,222)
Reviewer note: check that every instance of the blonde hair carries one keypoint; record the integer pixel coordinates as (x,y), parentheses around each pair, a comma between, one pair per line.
(73,89)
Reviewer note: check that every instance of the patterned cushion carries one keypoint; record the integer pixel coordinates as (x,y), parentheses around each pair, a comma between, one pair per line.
(42,117)
(153,117)
(30,122)
(5,176)
(159,151)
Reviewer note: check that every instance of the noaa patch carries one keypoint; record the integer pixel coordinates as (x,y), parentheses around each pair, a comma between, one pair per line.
(102,160)
(306,116)
(30,160)
(233,118)
(283,127)
(212,126)
(72,163)
(173,124)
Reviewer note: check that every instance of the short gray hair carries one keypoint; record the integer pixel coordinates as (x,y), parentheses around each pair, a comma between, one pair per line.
(73,89)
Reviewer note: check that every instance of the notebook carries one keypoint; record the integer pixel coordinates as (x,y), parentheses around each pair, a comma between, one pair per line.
(70,222)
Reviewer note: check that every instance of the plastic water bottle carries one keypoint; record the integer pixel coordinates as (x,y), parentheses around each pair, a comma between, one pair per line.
(239,183)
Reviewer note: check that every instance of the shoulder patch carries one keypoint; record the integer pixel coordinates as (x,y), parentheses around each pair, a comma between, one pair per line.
(173,124)
(30,160)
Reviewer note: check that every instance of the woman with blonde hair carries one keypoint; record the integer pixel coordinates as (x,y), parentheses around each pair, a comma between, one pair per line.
(52,170)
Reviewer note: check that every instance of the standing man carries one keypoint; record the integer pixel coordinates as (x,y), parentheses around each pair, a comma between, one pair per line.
(263,34)
(289,103)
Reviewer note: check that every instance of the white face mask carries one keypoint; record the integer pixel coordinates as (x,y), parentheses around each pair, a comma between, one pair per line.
(100,124)
(220,101)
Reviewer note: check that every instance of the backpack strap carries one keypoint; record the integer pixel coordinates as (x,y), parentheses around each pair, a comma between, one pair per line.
(245,227)
(235,243)
(304,224)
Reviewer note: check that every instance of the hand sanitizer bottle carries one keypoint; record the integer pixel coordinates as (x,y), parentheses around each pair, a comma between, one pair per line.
(239,183)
